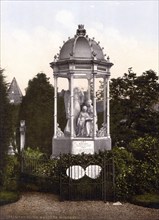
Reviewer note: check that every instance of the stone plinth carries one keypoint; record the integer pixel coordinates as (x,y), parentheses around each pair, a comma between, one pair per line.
(65,145)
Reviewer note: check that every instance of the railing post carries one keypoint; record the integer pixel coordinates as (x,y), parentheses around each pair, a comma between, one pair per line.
(114,187)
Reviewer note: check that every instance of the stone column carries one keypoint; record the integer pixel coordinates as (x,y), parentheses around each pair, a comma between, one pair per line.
(89,89)
(104,100)
(94,106)
(72,104)
(22,134)
(55,106)
(108,109)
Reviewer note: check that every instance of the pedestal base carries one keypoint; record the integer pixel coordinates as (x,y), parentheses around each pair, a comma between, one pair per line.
(65,145)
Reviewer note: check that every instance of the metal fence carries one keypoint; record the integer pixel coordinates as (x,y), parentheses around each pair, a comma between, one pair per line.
(90,181)
(75,180)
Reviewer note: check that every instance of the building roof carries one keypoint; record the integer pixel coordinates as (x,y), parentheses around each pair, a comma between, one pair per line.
(14,92)
(81,46)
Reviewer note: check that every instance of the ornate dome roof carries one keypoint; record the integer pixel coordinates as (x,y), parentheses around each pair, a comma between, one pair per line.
(81,47)
(81,57)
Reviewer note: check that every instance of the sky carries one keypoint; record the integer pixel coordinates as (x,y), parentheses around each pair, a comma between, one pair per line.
(32,32)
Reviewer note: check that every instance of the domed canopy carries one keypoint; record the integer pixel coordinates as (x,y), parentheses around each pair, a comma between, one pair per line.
(81,56)
(81,47)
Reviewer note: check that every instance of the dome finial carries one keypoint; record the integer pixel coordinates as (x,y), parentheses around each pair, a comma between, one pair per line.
(81,31)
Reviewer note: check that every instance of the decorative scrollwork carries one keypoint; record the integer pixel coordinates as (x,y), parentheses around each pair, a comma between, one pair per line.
(59,132)
(103,131)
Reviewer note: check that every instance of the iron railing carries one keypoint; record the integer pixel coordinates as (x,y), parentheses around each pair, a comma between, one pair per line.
(88,180)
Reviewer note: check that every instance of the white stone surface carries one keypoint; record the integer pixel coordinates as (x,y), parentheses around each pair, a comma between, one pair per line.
(117,203)
(79,147)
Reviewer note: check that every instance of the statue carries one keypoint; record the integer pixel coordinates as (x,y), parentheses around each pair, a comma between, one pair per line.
(78,100)
(89,124)
(81,122)
(85,121)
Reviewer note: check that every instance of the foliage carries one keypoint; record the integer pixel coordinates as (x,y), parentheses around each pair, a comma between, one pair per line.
(33,153)
(131,104)
(12,172)
(132,99)
(15,133)
(124,173)
(146,154)
(39,172)
(136,170)
(37,111)
(8,197)
(150,200)
(5,125)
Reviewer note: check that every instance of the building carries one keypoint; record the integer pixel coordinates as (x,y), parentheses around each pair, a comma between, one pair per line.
(14,93)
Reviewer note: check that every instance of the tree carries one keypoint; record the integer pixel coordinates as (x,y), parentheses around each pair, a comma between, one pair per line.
(5,122)
(132,98)
(37,111)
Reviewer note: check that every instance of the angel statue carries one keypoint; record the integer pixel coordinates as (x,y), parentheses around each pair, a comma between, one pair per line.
(78,99)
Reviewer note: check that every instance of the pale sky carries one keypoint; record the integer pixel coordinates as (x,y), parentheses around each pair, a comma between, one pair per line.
(32,32)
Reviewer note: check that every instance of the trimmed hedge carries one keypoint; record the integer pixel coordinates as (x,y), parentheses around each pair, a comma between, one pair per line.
(147,200)
(7,197)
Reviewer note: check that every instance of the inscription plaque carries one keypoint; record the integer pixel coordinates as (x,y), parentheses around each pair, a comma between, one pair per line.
(79,147)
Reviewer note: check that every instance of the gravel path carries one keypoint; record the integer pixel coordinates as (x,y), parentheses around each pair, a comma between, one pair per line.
(47,206)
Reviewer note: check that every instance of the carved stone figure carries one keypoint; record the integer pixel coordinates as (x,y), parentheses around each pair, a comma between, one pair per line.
(81,122)
(78,100)
(89,123)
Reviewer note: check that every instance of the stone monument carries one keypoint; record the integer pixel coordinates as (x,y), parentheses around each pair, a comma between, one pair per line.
(22,134)
(81,58)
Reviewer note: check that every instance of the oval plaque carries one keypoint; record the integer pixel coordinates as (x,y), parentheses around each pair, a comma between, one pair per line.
(75,172)
(93,171)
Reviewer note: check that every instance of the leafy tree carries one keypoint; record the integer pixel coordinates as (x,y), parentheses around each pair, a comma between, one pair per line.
(37,111)
(132,99)
(5,122)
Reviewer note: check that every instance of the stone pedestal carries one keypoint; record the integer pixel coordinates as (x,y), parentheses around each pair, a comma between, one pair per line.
(65,145)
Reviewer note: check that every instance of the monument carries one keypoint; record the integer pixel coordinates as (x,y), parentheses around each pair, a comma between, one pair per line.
(81,58)
(22,134)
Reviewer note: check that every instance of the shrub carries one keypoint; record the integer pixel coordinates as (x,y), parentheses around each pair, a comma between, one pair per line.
(147,200)
(8,197)
(33,153)
(11,174)
(124,173)
(146,154)
(136,169)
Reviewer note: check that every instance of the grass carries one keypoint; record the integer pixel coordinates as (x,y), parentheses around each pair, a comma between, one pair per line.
(7,197)
(150,200)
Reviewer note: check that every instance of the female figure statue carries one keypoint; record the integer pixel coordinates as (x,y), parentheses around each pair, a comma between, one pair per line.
(81,122)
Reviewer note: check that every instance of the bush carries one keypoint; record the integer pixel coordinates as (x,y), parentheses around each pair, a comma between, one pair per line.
(8,197)
(136,170)
(147,200)
(11,174)
(146,154)
(39,173)
(124,173)
(33,153)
